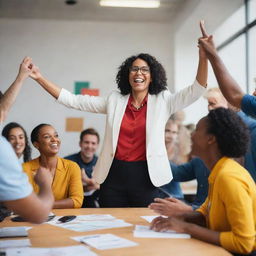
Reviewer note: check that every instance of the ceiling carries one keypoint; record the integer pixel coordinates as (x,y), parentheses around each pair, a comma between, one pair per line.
(87,10)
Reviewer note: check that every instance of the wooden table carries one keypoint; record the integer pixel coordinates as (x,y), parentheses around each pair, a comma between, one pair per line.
(46,235)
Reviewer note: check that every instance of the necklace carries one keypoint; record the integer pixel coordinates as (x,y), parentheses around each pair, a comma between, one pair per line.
(137,108)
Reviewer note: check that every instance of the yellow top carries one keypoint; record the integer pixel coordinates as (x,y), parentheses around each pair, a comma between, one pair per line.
(67,181)
(230,207)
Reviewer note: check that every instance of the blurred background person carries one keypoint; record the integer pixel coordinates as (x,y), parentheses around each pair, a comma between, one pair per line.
(183,144)
(86,158)
(18,138)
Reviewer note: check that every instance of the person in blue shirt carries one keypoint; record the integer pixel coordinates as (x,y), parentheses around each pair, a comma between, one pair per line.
(86,159)
(15,190)
(228,86)
(172,189)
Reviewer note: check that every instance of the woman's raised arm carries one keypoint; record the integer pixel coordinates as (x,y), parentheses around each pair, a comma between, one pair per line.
(50,87)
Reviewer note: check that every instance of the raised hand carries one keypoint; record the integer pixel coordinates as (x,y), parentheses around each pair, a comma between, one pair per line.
(25,68)
(202,28)
(169,207)
(35,72)
(202,52)
(206,42)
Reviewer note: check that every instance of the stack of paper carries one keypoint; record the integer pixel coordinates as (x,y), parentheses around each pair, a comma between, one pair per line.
(105,241)
(15,243)
(13,232)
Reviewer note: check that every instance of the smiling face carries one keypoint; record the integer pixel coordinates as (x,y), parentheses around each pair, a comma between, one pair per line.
(88,145)
(48,142)
(17,139)
(139,79)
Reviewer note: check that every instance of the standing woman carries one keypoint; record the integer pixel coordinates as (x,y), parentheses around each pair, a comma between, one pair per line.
(18,138)
(133,161)
(67,185)
(228,215)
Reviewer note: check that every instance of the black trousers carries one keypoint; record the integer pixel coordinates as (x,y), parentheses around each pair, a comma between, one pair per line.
(250,254)
(127,185)
(91,201)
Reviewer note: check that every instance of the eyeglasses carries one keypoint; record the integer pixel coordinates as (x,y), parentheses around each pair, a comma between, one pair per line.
(144,70)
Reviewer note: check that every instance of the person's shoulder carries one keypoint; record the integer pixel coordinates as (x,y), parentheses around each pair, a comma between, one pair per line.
(72,157)
(4,144)
(114,93)
(69,164)
(34,163)
(232,172)
(248,104)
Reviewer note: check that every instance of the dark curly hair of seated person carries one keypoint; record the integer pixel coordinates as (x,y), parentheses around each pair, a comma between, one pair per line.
(158,75)
(231,132)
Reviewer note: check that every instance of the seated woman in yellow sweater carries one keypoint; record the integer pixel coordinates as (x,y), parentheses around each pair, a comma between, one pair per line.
(67,186)
(228,216)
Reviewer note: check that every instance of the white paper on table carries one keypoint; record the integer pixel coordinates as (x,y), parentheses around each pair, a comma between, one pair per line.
(146,232)
(105,241)
(77,250)
(13,231)
(14,243)
(79,224)
(149,218)
(88,217)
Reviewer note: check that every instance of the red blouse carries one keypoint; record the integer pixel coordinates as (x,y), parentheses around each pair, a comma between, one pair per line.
(131,145)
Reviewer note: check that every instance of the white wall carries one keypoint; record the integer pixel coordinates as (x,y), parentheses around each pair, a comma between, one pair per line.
(68,51)
(187,31)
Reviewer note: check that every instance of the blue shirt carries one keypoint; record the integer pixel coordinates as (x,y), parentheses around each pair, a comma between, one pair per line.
(248,105)
(14,182)
(172,189)
(88,167)
(250,156)
(194,169)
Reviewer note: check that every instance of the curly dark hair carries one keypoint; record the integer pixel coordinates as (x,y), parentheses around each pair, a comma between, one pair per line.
(6,134)
(35,132)
(158,75)
(231,132)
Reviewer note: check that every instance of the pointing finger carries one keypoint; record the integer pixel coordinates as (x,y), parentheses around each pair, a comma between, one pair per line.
(204,33)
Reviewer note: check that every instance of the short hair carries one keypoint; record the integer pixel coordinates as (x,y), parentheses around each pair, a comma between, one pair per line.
(158,75)
(6,134)
(90,131)
(35,132)
(231,132)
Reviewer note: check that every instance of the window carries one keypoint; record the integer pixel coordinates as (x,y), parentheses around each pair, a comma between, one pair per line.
(236,40)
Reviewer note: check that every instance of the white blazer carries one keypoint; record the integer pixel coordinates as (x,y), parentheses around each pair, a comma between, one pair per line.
(159,109)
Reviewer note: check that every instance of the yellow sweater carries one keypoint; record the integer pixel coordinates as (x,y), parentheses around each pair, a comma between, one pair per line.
(230,207)
(67,181)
